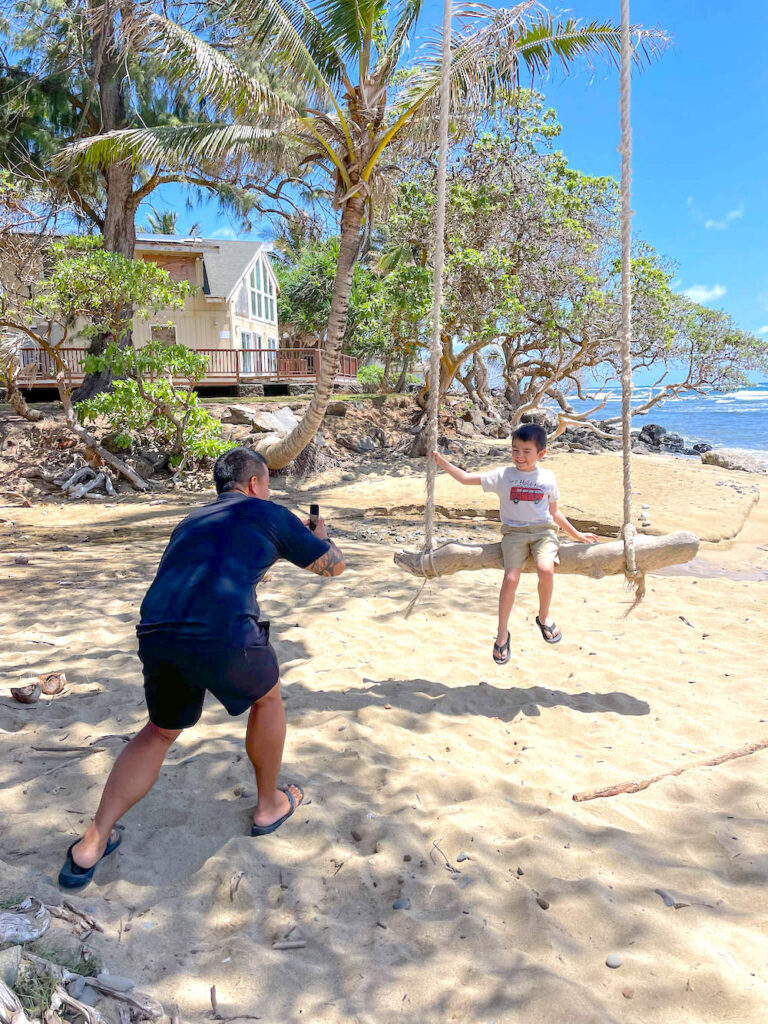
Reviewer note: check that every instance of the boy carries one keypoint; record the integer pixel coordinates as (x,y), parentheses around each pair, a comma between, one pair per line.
(528,498)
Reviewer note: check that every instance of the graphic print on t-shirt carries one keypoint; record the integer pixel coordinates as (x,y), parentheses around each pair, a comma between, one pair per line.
(525,494)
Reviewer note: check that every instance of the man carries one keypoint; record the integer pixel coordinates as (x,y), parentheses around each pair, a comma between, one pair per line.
(199,630)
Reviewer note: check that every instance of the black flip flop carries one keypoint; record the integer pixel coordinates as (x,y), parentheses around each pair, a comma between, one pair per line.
(503,651)
(265,830)
(72,876)
(555,636)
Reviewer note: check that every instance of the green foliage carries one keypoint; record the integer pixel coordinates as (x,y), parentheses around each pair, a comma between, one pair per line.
(102,291)
(149,402)
(371,377)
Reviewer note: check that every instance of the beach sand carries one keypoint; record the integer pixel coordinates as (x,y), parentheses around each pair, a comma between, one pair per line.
(415,748)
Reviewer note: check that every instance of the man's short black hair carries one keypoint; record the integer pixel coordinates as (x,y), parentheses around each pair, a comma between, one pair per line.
(236,467)
(532,432)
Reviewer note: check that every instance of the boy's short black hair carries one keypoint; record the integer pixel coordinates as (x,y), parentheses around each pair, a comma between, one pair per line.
(236,467)
(531,432)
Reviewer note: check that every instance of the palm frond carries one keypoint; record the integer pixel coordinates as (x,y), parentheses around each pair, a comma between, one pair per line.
(213,75)
(405,21)
(182,146)
(289,35)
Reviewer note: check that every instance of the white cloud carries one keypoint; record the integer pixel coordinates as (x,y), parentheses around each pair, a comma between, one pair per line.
(721,225)
(225,232)
(703,293)
(762,330)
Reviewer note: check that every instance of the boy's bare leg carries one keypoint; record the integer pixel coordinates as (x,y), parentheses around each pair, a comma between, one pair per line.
(506,601)
(264,740)
(133,775)
(546,571)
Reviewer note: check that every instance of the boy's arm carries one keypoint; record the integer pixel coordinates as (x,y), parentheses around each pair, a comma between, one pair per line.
(455,472)
(559,518)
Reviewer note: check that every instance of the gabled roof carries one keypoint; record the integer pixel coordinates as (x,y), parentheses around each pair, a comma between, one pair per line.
(225,261)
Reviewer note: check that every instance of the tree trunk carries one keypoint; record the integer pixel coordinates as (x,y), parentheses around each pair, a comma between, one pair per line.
(279,453)
(119,231)
(594,560)
(403,378)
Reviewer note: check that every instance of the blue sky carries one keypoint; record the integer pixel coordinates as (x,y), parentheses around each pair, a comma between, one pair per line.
(700,145)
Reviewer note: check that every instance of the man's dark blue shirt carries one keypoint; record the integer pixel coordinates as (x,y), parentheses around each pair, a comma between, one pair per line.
(204,587)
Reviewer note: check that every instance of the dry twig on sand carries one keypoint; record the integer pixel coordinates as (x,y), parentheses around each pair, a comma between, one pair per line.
(640,784)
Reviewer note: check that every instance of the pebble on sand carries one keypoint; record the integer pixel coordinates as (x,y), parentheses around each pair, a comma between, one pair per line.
(544,904)
(462,856)
(613,960)
(402,903)
(627,991)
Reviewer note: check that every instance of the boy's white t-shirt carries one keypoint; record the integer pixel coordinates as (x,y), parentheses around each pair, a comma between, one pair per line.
(524,498)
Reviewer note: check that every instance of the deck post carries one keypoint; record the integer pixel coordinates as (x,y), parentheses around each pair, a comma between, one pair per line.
(237,364)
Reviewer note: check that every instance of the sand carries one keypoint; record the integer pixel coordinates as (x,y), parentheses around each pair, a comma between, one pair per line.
(414,748)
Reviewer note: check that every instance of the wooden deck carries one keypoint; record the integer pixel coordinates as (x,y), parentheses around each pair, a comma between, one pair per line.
(225,366)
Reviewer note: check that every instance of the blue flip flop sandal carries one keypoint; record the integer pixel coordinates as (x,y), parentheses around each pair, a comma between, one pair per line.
(265,830)
(72,876)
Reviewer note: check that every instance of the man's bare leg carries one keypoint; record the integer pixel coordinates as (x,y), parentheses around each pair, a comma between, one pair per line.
(264,740)
(506,601)
(133,775)
(546,571)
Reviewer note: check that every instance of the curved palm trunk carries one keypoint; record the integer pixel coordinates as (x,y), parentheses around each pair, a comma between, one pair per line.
(279,453)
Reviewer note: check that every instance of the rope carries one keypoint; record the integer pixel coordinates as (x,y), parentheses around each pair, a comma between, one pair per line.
(633,576)
(436,346)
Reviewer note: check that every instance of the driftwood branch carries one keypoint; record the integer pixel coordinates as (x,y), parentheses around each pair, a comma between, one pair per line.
(595,560)
(641,784)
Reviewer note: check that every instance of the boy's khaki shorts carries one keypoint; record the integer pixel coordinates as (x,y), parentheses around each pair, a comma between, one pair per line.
(519,542)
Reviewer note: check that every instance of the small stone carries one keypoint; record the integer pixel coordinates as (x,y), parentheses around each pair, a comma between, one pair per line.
(10,961)
(21,560)
(627,991)
(356,834)
(668,900)
(407,857)
(544,904)
(115,981)
(613,960)
(462,856)
(402,903)
(76,987)
(520,872)
(387,707)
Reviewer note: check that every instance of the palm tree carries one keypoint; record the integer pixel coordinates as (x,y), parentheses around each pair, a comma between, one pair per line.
(164,223)
(359,102)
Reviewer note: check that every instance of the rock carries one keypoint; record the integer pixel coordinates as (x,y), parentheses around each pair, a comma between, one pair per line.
(501,430)
(613,960)
(156,459)
(627,991)
(336,409)
(668,900)
(21,560)
(240,414)
(360,443)
(520,872)
(10,961)
(544,417)
(736,459)
(76,987)
(356,834)
(347,476)
(701,447)
(462,856)
(116,982)
(651,434)
(673,443)
(544,904)
(402,903)
(465,429)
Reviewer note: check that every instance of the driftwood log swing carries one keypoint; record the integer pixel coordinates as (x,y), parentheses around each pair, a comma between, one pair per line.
(631,556)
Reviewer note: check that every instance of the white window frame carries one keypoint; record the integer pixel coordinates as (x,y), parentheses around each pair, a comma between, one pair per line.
(261,293)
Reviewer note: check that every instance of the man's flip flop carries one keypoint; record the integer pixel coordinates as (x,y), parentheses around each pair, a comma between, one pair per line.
(551,633)
(501,654)
(265,830)
(72,876)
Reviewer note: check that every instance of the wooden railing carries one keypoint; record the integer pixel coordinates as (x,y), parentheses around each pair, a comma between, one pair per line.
(225,365)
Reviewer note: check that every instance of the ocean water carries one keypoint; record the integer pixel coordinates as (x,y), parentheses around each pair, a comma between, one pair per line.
(724,419)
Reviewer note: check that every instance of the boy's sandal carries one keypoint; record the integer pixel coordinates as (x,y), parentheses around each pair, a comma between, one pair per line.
(501,654)
(551,632)
(72,876)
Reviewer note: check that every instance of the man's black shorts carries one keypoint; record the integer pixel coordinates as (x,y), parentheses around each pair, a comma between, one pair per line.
(177,673)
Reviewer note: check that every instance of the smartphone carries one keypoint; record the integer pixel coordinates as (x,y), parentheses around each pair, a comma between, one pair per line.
(314,515)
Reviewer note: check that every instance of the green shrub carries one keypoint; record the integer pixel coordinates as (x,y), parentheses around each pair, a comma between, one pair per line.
(147,399)
(371,377)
